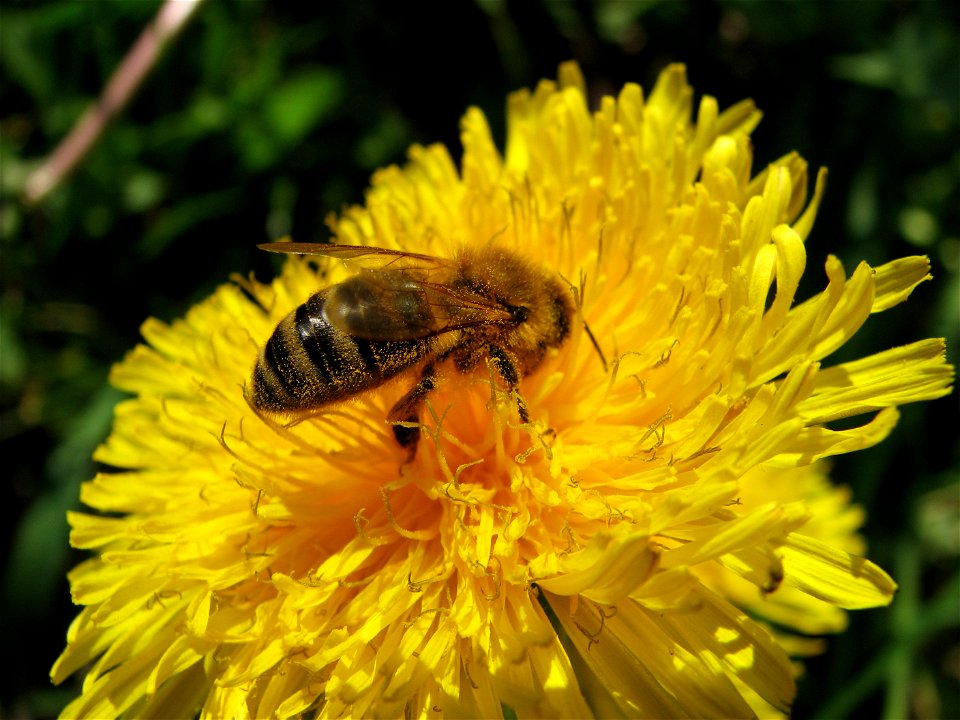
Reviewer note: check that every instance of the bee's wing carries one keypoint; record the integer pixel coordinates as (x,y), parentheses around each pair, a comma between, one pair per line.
(388,306)
(371,255)
(386,303)
(457,308)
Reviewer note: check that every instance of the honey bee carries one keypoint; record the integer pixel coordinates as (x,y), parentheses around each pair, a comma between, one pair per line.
(409,312)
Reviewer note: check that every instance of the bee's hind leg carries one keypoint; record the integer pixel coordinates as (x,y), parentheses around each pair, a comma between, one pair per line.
(407,410)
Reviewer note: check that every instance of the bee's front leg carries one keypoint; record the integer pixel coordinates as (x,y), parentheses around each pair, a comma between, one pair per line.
(506,366)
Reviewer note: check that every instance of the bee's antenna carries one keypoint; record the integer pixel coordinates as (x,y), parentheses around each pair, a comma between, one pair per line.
(596,345)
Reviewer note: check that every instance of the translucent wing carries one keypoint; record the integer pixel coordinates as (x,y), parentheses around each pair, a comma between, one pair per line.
(403,296)
(392,305)
(384,257)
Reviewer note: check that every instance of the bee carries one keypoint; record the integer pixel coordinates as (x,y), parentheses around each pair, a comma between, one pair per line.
(404,311)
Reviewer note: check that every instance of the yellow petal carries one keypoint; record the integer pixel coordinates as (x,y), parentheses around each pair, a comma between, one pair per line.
(893,377)
(895,280)
(609,568)
(835,576)
(635,687)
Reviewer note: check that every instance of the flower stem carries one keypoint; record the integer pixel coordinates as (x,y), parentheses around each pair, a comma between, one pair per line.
(140,59)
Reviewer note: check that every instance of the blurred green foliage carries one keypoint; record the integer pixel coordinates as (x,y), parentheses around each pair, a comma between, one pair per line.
(264,117)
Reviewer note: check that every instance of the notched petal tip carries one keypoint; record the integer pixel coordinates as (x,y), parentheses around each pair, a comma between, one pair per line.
(835,576)
(895,281)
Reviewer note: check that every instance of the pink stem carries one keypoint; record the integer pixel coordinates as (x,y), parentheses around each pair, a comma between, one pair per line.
(141,58)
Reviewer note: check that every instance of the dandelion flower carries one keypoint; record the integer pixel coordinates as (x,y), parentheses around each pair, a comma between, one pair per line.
(658,540)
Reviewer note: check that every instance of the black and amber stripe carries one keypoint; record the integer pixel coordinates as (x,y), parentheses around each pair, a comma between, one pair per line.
(308,363)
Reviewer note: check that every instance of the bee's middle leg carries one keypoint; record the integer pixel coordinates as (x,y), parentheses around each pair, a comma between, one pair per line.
(407,410)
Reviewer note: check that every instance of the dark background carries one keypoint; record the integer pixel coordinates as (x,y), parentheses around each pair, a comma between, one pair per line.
(262,118)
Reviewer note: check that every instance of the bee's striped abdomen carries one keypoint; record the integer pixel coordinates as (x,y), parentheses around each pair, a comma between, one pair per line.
(308,363)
